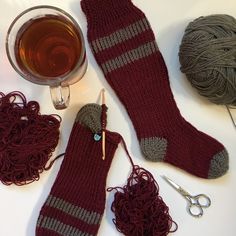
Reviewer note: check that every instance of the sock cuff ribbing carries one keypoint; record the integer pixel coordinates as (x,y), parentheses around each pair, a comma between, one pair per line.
(99,13)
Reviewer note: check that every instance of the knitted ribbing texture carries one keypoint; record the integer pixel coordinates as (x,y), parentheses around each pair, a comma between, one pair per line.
(124,46)
(76,201)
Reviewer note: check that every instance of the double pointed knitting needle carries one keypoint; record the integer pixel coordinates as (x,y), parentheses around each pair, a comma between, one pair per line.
(103,125)
(231,116)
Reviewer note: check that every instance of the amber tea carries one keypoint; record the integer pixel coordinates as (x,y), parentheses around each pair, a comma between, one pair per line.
(45,45)
(49,46)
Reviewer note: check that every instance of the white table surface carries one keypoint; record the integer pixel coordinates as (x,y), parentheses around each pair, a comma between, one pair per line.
(20,206)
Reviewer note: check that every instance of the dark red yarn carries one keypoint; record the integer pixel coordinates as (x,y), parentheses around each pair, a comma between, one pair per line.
(27,139)
(138,208)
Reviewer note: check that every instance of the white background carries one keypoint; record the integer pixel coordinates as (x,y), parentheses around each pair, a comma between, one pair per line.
(20,206)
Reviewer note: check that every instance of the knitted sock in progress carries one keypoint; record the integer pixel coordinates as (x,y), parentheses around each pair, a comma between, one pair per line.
(76,202)
(124,46)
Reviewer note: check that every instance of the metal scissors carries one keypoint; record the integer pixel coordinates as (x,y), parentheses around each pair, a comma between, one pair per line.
(195,203)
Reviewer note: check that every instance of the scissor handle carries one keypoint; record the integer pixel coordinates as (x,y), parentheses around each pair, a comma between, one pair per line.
(195,210)
(196,203)
(202,200)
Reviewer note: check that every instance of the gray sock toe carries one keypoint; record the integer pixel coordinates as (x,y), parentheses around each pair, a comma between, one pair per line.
(219,165)
(90,117)
(154,149)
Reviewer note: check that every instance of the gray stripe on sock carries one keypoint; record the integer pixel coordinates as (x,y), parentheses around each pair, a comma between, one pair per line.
(146,23)
(70,230)
(65,229)
(90,217)
(55,225)
(80,213)
(142,24)
(73,231)
(120,35)
(104,69)
(98,219)
(49,199)
(93,218)
(56,203)
(39,220)
(61,228)
(74,211)
(50,223)
(130,56)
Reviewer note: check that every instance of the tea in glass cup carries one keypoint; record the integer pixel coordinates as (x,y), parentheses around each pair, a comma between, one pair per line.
(45,45)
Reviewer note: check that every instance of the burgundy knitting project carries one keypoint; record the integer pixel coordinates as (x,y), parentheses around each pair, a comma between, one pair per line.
(76,201)
(124,46)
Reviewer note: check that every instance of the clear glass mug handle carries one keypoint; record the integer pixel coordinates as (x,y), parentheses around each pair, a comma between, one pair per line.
(60,96)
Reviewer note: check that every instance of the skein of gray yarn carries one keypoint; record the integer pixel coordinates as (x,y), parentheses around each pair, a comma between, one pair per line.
(208,57)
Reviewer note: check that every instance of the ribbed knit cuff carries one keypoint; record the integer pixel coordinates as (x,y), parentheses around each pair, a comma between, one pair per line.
(83,165)
(101,13)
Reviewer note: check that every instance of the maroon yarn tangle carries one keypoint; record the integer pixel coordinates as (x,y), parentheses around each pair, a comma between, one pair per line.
(139,209)
(27,139)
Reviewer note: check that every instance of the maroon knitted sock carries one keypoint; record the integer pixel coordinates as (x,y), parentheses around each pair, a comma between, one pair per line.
(76,202)
(124,46)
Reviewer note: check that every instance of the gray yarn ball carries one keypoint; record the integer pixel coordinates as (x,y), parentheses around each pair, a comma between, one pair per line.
(208,57)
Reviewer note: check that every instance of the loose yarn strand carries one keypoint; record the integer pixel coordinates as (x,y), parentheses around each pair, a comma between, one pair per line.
(27,139)
(54,159)
(138,208)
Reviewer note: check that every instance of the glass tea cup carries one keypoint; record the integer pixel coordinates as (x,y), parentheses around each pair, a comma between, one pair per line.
(45,45)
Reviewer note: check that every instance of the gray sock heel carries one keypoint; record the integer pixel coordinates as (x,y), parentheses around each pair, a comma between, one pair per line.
(154,148)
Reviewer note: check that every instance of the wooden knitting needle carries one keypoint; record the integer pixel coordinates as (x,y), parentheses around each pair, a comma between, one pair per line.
(103,131)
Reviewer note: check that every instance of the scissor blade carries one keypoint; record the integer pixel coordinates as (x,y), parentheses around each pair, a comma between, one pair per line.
(171,182)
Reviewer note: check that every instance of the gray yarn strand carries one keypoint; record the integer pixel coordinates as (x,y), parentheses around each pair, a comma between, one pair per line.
(208,57)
